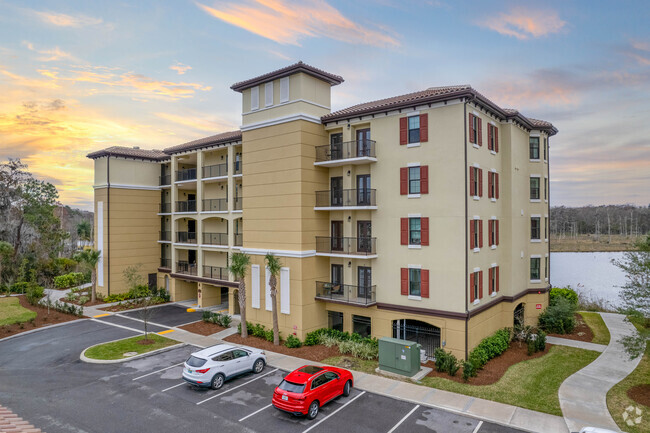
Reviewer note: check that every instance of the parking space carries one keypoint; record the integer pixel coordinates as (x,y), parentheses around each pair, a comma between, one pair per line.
(129,323)
(168,315)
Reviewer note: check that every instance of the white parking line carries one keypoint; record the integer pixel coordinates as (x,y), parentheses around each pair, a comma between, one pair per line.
(175,386)
(118,326)
(256,412)
(239,386)
(404,419)
(362,393)
(480,423)
(158,371)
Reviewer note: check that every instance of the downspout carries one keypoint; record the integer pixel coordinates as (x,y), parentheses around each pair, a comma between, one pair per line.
(108,224)
(548,209)
(466,243)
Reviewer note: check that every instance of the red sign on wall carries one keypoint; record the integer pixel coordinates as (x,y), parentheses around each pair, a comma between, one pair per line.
(538,306)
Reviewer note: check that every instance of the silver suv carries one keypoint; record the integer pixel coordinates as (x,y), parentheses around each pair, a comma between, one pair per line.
(212,366)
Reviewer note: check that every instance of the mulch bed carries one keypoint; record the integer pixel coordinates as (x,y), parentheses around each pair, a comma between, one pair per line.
(203,328)
(313,353)
(582,331)
(87,304)
(42,319)
(495,368)
(640,394)
(125,305)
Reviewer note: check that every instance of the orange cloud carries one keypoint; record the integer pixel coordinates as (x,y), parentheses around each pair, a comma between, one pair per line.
(63,20)
(198,122)
(523,24)
(49,55)
(287,22)
(180,68)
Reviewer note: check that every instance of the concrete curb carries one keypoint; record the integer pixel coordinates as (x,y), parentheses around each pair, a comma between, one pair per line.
(31,331)
(84,358)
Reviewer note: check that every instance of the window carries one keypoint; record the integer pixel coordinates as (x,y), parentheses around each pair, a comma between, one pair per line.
(545,148)
(545,188)
(414,180)
(414,231)
(335,320)
(534,147)
(475,285)
(493,185)
(224,357)
(318,381)
(493,228)
(475,182)
(414,282)
(475,234)
(284,89)
(534,228)
(361,325)
(494,279)
(268,94)
(255,98)
(238,353)
(546,228)
(534,268)
(534,188)
(493,138)
(475,130)
(414,129)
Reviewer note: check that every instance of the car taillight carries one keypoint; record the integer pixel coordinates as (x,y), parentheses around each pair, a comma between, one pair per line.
(302,397)
(205,370)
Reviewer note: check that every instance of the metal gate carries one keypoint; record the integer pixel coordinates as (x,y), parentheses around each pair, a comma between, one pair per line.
(428,336)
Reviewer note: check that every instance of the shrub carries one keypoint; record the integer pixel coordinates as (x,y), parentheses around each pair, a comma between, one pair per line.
(567,293)
(292,342)
(206,315)
(558,318)
(71,297)
(328,340)
(34,293)
(268,334)
(489,348)
(19,287)
(164,295)
(440,357)
(468,370)
(452,365)
(540,341)
(72,279)
(83,299)
(226,320)
(346,346)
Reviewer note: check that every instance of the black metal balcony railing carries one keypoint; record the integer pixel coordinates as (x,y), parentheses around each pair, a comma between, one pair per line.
(215,238)
(340,245)
(346,197)
(166,263)
(238,203)
(165,180)
(165,236)
(346,150)
(215,170)
(239,239)
(186,237)
(186,268)
(215,272)
(237,167)
(363,295)
(165,208)
(215,205)
(186,206)
(186,174)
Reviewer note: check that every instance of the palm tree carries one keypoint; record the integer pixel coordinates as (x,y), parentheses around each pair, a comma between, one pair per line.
(274,266)
(83,230)
(238,266)
(6,250)
(90,259)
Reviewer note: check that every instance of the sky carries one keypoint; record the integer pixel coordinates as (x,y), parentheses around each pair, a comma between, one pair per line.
(78,76)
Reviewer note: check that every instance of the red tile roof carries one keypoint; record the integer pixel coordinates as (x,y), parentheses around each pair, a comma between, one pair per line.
(130,152)
(214,140)
(285,72)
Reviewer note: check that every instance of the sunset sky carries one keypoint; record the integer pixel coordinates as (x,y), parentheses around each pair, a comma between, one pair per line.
(77,76)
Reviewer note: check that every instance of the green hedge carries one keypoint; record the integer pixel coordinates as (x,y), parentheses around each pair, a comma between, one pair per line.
(313,337)
(139,292)
(489,348)
(558,318)
(72,279)
(566,292)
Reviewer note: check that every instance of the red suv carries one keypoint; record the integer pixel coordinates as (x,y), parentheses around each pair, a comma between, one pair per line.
(305,390)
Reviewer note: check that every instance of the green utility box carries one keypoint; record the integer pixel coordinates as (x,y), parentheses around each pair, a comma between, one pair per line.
(399,356)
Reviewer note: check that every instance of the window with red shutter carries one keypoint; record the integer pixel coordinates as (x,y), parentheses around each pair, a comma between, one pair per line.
(480,233)
(490,280)
(472,230)
(472,181)
(497,232)
(480,132)
(491,232)
(497,278)
(424,283)
(490,147)
(405,281)
(480,182)
(480,284)
(424,179)
(403,180)
(424,128)
(404,231)
(496,139)
(424,231)
(472,135)
(472,278)
(490,184)
(496,185)
(403,130)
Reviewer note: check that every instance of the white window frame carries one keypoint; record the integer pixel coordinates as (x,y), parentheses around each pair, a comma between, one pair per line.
(284,90)
(268,94)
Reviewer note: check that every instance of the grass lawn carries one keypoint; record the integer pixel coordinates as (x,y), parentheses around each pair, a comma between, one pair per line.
(532,384)
(12,312)
(598,327)
(356,364)
(117,349)
(618,401)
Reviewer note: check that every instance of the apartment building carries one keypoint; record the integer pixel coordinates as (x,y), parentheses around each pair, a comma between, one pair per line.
(422,216)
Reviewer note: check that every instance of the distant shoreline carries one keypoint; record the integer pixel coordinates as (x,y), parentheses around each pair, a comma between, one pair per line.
(592,244)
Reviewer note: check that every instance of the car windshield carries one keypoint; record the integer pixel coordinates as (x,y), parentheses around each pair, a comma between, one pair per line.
(195,361)
(292,387)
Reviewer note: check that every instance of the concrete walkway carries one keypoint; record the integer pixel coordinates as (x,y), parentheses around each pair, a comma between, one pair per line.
(576,343)
(583,395)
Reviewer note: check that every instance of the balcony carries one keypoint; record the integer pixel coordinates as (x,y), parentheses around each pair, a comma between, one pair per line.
(215,205)
(346,199)
(215,239)
(166,263)
(216,273)
(165,236)
(165,180)
(343,247)
(238,203)
(186,174)
(186,206)
(345,293)
(186,268)
(350,152)
(165,208)
(186,237)
(239,239)
(219,170)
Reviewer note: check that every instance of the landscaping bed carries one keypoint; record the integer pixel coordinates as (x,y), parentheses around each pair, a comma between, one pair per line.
(582,331)
(137,345)
(203,328)
(313,353)
(42,318)
(127,305)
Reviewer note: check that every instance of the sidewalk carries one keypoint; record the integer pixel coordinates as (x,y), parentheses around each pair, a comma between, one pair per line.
(576,343)
(583,395)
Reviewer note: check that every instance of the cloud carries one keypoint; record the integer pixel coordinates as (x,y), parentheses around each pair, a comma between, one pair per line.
(63,20)
(180,68)
(54,54)
(19,80)
(199,122)
(639,51)
(287,22)
(523,24)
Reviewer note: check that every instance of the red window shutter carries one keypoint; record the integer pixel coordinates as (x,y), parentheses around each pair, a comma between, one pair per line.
(472,277)
(424,128)
(404,232)
(403,130)
(480,132)
(480,182)
(472,189)
(424,283)
(472,139)
(497,278)
(490,137)
(496,184)
(490,175)
(403,180)
(405,281)
(480,284)
(480,233)
(490,285)
(490,232)
(424,231)
(497,231)
(472,230)
(424,179)
(496,139)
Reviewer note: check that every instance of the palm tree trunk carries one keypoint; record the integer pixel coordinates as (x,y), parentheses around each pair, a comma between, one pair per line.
(273,282)
(242,308)
(93,290)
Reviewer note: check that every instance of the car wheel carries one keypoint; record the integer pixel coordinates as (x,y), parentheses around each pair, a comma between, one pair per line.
(217,381)
(346,388)
(258,366)
(313,410)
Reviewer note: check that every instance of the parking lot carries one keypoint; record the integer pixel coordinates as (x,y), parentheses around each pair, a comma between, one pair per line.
(43,380)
